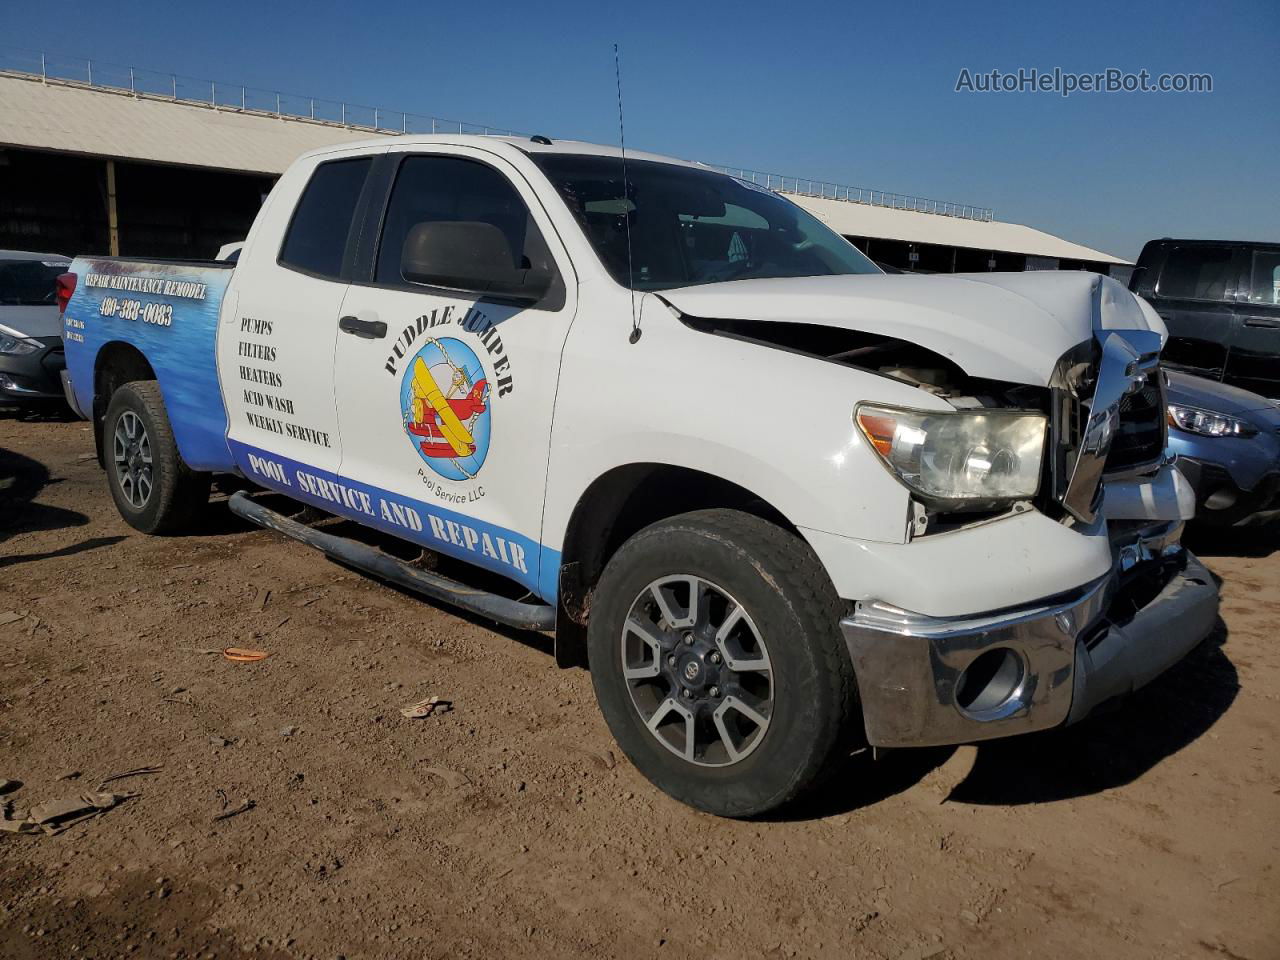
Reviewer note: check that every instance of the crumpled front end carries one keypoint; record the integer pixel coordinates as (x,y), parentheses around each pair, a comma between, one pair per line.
(936,680)
(929,679)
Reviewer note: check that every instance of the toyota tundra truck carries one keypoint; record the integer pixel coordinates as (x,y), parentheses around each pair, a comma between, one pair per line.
(782,504)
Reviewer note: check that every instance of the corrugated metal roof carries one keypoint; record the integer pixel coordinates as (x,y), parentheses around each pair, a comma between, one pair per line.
(57,116)
(864,220)
(79,119)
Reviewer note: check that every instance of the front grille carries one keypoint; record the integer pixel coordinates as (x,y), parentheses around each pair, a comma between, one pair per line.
(1139,440)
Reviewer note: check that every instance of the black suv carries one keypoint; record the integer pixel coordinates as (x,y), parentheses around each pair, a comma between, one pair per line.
(1221,302)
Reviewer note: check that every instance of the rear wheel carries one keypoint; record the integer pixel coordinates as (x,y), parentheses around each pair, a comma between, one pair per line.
(153,489)
(717,659)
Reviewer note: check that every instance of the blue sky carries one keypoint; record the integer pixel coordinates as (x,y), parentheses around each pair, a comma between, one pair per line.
(850,92)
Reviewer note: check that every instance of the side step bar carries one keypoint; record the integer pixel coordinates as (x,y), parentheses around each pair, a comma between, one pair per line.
(513,613)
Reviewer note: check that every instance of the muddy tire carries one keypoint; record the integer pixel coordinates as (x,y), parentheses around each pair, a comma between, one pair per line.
(153,489)
(717,659)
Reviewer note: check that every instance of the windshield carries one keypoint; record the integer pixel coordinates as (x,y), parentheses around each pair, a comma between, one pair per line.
(29,282)
(692,226)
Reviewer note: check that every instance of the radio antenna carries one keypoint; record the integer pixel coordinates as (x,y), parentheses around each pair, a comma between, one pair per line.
(626,199)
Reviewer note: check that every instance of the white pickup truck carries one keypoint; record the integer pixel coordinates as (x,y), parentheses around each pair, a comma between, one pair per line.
(781,503)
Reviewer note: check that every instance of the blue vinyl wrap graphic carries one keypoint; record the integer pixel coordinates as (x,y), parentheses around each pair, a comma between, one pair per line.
(169,312)
(486,545)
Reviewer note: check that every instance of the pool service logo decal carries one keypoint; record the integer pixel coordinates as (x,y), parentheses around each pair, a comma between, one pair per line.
(445,395)
(444,398)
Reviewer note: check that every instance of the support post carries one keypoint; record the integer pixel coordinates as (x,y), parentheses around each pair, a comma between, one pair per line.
(113,221)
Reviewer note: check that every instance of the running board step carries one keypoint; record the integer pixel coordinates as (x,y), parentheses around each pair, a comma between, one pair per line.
(513,613)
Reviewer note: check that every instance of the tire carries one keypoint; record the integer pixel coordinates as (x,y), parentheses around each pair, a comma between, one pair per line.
(153,489)
(785,661)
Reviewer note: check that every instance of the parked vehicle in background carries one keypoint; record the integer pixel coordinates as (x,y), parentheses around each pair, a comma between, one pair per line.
(1228,446)
(31,355)
(779,500)
(1221,302)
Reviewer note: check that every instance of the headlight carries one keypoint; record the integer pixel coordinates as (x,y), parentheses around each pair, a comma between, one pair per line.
(15,344)
(970,458)
(1206,423)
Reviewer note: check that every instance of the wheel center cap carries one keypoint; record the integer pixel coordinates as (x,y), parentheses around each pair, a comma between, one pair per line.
(692,670)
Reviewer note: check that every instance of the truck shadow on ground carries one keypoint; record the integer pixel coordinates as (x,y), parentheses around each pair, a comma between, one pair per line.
(1112,748)
(21,481)
(53,411)
(1108,750)
(219,521)
(1260,540)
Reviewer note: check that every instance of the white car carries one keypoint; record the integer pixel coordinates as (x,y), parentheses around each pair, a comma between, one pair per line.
(31,359)
(782,502)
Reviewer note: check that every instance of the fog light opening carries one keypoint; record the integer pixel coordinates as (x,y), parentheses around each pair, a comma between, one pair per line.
(989,683)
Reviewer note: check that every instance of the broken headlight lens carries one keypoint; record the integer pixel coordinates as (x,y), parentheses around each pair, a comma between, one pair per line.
(1206,423)
(969,457)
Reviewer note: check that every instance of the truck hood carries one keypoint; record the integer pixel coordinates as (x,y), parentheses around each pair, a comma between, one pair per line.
(1000,326)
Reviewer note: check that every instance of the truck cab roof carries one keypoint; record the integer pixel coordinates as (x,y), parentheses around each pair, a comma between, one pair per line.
(526,145)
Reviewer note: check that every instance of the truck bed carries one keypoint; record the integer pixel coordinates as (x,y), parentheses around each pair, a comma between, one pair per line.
(167,311)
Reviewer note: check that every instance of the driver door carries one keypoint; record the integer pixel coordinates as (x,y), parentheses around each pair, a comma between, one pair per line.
(444,398)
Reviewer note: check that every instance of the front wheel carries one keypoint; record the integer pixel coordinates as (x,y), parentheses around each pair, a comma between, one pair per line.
(153,489)
(716,656)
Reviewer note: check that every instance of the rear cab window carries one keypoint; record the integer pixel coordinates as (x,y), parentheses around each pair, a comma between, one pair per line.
(317,239)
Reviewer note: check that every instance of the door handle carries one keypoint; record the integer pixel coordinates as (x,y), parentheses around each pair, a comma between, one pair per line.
(367,329)
(1261,322)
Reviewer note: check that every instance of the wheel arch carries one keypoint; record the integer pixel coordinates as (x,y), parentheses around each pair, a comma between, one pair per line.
(116,363)
(617,505)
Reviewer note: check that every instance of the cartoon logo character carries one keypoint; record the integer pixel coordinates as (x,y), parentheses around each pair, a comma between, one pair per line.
(444,399)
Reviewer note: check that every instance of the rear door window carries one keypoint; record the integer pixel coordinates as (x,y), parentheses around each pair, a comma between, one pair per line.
(1264,277)
(1198,273)
(316,241)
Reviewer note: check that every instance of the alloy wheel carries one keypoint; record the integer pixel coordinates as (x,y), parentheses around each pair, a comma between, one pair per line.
(698,670)
(131,454)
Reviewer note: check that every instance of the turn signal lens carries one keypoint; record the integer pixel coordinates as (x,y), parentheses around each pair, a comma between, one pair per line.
(879,430)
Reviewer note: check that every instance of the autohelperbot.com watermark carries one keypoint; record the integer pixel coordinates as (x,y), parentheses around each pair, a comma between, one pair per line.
(1066,83)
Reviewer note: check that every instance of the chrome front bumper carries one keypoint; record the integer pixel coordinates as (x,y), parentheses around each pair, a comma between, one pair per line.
(926,680)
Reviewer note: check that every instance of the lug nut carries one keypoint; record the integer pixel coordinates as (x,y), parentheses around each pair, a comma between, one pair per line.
(688,639)
(714,658)
(714,692)
(671,661)
(686,693)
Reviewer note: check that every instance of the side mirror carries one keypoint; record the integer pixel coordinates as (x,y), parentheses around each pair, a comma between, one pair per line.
(470,256)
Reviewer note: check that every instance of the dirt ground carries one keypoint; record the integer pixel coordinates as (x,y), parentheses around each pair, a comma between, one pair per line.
(511,826)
